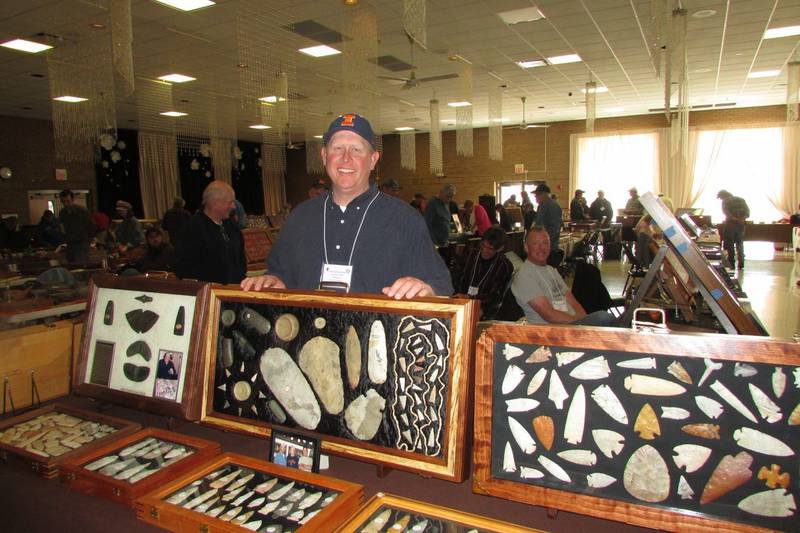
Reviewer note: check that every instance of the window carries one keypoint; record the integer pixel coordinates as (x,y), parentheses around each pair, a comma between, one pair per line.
(745,162)
(615,163)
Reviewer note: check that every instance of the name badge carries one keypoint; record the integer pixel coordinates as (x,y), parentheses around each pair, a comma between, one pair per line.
(472,291)
(336,277)
(561,305)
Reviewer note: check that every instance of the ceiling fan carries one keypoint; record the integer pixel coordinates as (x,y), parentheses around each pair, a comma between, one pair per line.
(524,125)
(412,81)
(292,145)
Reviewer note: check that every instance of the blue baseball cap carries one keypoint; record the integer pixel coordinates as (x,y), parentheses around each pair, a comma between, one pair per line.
(351,122)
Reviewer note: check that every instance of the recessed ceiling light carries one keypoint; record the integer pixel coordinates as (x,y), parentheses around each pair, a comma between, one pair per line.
(241,65)
(600,89)
(173,114)
(614,109)
(459,104)
(499,120)
(786,31)
(560,60)
(764,74)
(702,70)
(404,128)
(259,127)
(26,46)
(186,5)
(97,26)
(70,99)
(319,51)
(532,63)
(525,14)
(318,136)
(176,78)
(272,99)
(704,13)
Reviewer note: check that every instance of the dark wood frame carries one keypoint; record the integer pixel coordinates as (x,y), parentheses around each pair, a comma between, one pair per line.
(153,509)
(48,467)
(721,347)
(468,520)
(75,476)
(463,314)
(189,406)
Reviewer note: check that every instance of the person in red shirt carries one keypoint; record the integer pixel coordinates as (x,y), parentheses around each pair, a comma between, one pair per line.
(477,217)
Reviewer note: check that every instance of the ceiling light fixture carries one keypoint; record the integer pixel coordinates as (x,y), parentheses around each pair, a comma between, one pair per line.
(516,16)
(176,78)
(173,114)
(404,128)
(259,127)
(322,50)
(614,109)
(596,90)
(186,5)
(350,2)
(704,13)
(26,46)
(532,63)
(764,74)
(272,99)
(561,60)
(97,26)
(70,99)
(318,136)
(786,31)
(459,104)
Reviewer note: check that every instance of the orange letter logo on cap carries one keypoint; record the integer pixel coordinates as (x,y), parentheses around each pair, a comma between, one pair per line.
(347,120)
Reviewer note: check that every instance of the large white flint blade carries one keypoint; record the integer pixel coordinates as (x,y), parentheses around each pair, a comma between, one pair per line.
(674,413)
(609,442)
(595,368)
(690,456)
(651,386)
(377,359)
(768,410)
(576,416)
(774,503)
(521,435)
(554,469)
(514,375)
(605,398)
(509,465)
(644,363)
(711,408)
(579,457)
(733,401)
(521,405)
(557,393)
(754,440)
(536,381)
(565,358)
(778,382)
(598,480)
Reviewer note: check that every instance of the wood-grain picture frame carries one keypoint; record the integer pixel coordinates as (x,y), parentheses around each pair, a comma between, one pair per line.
(376,379)
(678,432)
(141,344)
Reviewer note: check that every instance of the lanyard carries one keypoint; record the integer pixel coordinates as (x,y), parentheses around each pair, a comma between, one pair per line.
(358,232)
(475,269)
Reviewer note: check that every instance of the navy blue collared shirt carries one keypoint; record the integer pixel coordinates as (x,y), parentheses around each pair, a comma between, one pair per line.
(393,242)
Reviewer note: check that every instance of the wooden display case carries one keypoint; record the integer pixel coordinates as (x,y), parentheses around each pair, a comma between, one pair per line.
(679,432)
(32,438)
(97,472)
(389,513)
(141,344)
(323,504)
(376,379)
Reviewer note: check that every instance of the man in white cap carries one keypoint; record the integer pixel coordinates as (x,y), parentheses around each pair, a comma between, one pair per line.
(634,205)
(354,238)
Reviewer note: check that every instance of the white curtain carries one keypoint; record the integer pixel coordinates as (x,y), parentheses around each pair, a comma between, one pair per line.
(788,201)
(273,179)
(614,163)
(158,172)
(221,158)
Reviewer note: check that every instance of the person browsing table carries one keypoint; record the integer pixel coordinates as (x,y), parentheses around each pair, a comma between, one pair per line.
(354,238)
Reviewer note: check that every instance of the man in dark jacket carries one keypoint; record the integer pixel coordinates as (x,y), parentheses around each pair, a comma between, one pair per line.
(174,219)
(736,213)
(601,208)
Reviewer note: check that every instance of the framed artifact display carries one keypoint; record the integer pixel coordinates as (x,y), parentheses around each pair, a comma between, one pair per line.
(386,513)
(733,317)
(47,437)
(374,378)
(237,493)
(685,432)
(135,465)
(141,344)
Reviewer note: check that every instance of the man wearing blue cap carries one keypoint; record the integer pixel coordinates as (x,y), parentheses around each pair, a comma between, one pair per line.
(354,238)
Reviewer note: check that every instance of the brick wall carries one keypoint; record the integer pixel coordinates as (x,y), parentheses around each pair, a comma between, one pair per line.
(27,149)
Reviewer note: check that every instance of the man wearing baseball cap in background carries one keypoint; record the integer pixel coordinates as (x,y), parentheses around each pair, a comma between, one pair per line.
(577,207)
(354,238)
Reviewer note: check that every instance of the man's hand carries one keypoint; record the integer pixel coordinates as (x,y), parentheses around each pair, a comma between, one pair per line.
(267,281)
(408,287)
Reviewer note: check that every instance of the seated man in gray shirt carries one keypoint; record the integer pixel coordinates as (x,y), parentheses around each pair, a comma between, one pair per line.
(543,295)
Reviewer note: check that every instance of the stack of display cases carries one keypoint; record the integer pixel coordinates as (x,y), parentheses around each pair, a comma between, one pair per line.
(236,493)
(46,438)
(141,345)
(375,379)
(386,513)
(687,432)
(135,465)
